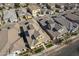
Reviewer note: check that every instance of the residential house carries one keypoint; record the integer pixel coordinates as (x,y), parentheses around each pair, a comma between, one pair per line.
(22,13)
(23,5)
(57,7)
(76,12)
(34,34)
(61,7)
(33,9)
(62,21)
(50,27)
(9,16)
(9,5)
(68,6)
(72,17)
(52,5)
(68,26)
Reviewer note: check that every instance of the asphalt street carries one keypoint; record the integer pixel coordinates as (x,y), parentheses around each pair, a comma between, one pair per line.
(70,50)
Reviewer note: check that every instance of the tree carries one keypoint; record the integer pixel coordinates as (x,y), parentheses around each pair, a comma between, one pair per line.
(8,27)
(57,6)
(0,8)
(57,11)
(17,5)
(0,29)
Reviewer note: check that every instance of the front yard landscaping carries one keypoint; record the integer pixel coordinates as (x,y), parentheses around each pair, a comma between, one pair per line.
(49,44)
(65,37)
(24,53)
(39,49)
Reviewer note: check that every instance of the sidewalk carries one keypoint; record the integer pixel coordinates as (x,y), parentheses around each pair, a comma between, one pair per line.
(56,47)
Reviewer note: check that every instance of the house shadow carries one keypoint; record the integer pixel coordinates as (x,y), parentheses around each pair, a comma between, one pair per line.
(23,34)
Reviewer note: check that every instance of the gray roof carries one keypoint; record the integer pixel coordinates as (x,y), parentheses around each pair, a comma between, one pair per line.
(36,34)
(50,21)
(57,26)
(43,22)
(32,39)
(33,7)
(22,11)
(9,5)
(72,16)
(69,5)
(30,26)
(77,13)
(46,19)
(64,22)
(54,25)
(52,33)
(10,15)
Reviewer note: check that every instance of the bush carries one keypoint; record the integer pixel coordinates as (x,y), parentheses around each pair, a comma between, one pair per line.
(0,29)
(8,27)
(78,49)
(75,33)
(67,41)
(67,35)
(17,5)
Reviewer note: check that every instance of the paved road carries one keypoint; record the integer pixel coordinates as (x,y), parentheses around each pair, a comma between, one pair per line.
(63,50)
(70,50)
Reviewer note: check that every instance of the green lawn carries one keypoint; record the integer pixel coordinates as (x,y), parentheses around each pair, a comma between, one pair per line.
(25,53)
(49,45)
(37,50)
